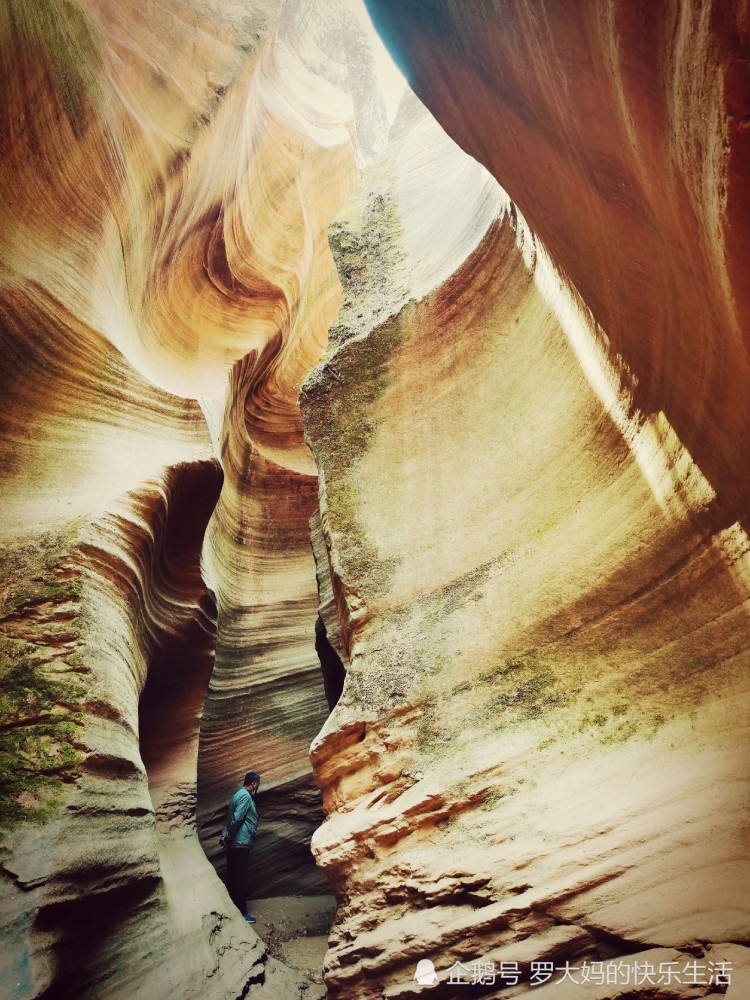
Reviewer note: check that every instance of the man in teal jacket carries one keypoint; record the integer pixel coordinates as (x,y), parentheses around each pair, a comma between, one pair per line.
(237,836)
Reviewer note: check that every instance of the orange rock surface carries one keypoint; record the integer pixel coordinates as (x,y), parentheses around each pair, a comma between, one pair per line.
(515,490)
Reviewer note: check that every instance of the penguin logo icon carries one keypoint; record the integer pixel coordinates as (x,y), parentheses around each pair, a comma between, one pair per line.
(425,974)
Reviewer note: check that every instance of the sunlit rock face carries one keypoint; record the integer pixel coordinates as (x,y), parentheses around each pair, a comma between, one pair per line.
(534,486)
(529,462)
(619,130)
(167,181)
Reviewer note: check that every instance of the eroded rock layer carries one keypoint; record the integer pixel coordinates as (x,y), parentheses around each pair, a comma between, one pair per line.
(541,573)
(620,131)
(532,445)
(167,179)
(524,764)
(266,701)
(90,897)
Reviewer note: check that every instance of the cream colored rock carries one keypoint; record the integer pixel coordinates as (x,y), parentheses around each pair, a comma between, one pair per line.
(527,734)
(540,560)
(168,179)
(143,164)
(533,484)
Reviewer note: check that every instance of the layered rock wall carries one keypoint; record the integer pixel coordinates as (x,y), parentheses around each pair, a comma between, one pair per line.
(519,767)
(266,700)
(538,542)
(89,897)
(530,433)
(620,131)
(167,179)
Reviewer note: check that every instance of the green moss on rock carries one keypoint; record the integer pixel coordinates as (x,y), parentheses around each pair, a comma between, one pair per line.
(366,243)
(35,570)
(340,409)
(42,686)
(40,721)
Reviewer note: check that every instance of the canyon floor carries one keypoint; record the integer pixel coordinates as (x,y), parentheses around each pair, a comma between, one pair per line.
(295,931)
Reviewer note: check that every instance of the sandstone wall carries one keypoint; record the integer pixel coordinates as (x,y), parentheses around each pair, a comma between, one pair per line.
(167,177)
(530,433)
(620,131)
(538,538)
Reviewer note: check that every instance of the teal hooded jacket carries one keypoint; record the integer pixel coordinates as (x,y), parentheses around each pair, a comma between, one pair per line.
(242,820)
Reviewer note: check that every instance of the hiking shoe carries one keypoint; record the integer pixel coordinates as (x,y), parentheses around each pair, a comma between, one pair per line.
(249,917)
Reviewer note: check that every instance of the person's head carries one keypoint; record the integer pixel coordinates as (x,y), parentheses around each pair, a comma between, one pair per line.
(252,780)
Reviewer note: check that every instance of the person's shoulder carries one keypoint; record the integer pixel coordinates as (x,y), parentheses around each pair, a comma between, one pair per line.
(240,794)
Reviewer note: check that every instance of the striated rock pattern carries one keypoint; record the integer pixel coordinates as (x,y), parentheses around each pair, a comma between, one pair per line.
(168,176)
(534,497)
(620,131)
(266,700)
(88,897)
(516,566)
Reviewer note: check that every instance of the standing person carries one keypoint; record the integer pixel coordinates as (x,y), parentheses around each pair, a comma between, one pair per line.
(237,836)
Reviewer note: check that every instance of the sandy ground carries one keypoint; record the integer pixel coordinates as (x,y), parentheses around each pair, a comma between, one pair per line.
(295,930)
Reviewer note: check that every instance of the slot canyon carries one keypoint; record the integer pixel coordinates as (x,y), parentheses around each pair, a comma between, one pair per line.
(376,415)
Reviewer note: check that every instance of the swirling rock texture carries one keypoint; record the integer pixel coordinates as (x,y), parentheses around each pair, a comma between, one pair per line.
(168,174)
(530,474)
(534,489)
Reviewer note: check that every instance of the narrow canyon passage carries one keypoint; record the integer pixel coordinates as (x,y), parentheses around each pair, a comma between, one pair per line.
(384,430)
(181,663)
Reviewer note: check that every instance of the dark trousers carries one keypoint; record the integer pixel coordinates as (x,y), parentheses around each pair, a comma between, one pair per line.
(237,862)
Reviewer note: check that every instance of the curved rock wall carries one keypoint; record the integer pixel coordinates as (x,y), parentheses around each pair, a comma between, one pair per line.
(91,896)
(519,767)
(537,539)
(266,700)
(168,176)
(620,131)
(532,454)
